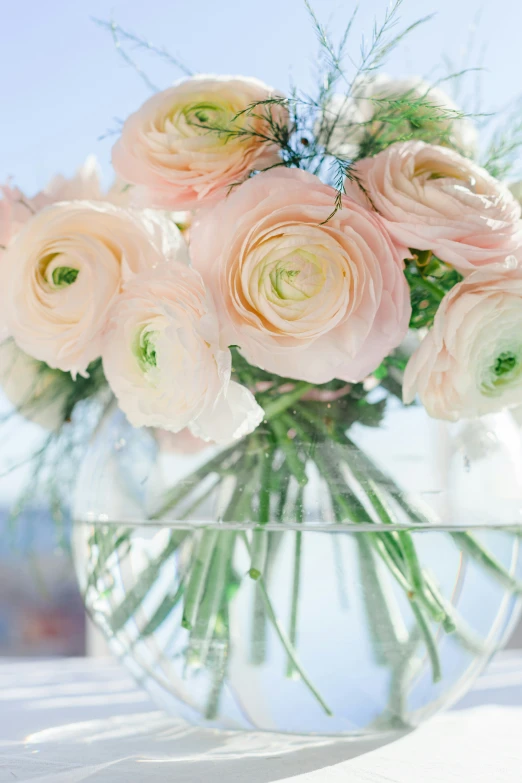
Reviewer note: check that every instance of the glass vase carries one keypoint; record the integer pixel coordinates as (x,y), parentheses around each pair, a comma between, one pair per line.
(349,568)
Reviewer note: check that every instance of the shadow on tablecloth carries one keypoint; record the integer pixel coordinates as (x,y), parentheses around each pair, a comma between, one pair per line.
(89,722)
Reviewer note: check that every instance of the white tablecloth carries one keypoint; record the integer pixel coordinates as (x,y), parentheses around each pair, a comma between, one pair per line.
(68,721)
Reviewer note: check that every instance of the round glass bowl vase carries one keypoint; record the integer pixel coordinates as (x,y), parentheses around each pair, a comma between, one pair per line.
(350,579)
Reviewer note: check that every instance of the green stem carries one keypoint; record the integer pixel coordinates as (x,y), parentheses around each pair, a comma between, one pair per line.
(219,672)
(259,537)
(283,493)
(290,669)
(467,637)
(424,518)
(215,588)
(393,564)
(135,597)
(208,579)
(288,447)
(392,560)
(263,516)
(188,484)
(423,282)
(384,635)
(285,641)
(259,553)
(401,550)
(218,663)
(429,640)
(198,577)
(275,406)
(475,550)
(281,482)
(166,607)
(408,553)
(106,546)
(259,622)
(401,674)
(170,601)
(439,608)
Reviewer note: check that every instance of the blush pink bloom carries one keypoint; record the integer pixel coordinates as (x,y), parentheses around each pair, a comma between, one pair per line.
(66,266)
(163,361)
(16,209)
(169,150)
(470,362)
(301,297)
(432,198)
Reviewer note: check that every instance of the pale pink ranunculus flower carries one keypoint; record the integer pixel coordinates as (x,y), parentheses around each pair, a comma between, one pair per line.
(432,198)
(163,361)
(169,150)
(470,362)
(16,208)
(303,293)
(66,266)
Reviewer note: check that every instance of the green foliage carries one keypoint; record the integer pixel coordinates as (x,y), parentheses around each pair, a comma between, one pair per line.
(429,280)
(334,78)
(405,118)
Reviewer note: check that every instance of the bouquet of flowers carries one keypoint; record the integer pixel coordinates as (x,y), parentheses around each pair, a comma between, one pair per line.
(263,264)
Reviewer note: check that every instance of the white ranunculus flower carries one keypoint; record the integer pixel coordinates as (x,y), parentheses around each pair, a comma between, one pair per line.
(163,361)
(347,119)
(66,266)
(32,387)
(470,362)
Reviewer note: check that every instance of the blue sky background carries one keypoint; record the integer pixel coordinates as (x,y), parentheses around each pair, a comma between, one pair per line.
(63,82)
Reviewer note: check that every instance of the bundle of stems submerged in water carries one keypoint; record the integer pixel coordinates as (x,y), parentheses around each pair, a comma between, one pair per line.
(261,484)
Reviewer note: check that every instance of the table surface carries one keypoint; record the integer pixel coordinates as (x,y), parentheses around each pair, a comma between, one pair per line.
(74,720)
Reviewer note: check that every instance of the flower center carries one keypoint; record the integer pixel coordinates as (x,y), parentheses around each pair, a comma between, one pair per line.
(281,279)
(445,171)
(505,363)
(63,276)
(296,277)
(207,116)
(57,276)
(506,368)
(145,350)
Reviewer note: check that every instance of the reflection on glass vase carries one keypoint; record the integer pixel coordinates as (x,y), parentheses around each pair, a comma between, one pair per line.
(348,568)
